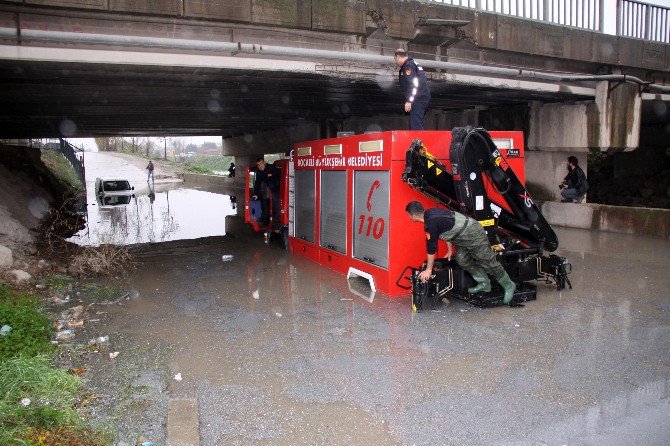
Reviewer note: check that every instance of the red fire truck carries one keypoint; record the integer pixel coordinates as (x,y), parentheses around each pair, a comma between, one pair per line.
(343,205)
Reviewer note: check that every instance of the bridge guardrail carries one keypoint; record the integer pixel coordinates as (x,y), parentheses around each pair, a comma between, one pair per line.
(633,18)
(643,21)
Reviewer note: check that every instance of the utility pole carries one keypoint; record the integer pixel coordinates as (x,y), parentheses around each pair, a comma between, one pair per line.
(165,148)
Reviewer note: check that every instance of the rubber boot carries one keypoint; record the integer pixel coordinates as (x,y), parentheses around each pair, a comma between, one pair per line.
(509,288)
(483,283)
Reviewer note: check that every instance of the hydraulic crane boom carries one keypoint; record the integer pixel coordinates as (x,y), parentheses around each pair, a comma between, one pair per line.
(481,184)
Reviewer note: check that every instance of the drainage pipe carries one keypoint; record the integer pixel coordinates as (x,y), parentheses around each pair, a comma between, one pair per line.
(271,50)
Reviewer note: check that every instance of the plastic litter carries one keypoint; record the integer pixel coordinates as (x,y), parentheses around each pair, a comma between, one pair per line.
(113,355)
(147,443)
(256,294)
(4,331)
(25,402)
(278,314)
(227,257)
(177,377)
(99,340)
(64,335)
(60,300)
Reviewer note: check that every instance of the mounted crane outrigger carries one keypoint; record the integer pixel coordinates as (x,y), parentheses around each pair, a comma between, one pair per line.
(482,185)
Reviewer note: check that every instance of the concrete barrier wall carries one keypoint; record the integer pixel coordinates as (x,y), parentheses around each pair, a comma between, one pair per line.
(216,182)
(624,220)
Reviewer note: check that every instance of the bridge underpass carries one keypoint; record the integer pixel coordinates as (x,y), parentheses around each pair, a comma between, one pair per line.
(73,73)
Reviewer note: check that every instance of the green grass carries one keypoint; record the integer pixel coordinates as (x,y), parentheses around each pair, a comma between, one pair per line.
(211,162)
(30,328)
(53,396)
(198,169)
(62,169)
(50,416)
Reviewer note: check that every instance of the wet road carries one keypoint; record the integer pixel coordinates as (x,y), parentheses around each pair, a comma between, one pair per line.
(276,350)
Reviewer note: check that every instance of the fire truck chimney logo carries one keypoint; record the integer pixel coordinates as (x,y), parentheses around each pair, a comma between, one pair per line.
(374,186)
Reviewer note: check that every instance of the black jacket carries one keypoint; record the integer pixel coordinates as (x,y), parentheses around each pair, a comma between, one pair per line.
(413,82)
(576,179)
(270,176)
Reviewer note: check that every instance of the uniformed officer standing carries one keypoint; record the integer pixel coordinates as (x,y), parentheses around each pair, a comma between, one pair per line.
(414,86)
(474,253)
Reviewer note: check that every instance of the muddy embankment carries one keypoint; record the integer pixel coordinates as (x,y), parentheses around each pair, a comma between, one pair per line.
(28,191)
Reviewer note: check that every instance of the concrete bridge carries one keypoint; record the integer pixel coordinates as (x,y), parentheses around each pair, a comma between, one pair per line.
(264,74)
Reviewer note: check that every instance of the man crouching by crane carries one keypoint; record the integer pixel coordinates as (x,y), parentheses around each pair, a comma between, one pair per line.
(474,253)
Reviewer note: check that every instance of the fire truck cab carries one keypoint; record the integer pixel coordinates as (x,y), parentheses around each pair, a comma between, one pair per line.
(258,213)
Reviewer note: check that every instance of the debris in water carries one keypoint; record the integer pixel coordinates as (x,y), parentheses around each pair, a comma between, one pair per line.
(278,314)
(256,294)
(177,377)
(227,257)
(113,355)
(345,299)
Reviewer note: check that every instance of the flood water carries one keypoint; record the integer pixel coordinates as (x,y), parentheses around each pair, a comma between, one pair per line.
(159,211)
(275,349)
(272,348)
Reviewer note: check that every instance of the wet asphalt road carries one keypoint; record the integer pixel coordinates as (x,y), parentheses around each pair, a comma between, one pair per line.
(277,350)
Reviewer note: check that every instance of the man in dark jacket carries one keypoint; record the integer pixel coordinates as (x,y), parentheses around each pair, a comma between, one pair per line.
(270,175)
(414,86)
(574,185)
(474,253)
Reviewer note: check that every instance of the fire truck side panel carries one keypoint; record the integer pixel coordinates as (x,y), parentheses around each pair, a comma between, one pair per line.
(350,202)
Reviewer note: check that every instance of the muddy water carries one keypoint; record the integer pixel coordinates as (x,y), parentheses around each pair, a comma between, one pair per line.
(157,211)
(277,350)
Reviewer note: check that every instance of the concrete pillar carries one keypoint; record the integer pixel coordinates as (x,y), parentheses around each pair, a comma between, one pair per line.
(556,131)
(614,122)
(276,141)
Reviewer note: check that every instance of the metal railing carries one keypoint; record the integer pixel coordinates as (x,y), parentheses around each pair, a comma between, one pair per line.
(633,18)
(643,21)
(586,14)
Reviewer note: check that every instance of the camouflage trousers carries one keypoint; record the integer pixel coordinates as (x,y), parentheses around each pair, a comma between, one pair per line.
(474,253)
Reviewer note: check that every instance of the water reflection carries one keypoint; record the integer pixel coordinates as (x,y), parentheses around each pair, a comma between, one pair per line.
(156,217)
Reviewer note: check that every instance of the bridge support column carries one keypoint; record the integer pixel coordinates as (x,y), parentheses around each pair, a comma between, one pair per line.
(276,141)
(610,124)
(614,122)
(556,131)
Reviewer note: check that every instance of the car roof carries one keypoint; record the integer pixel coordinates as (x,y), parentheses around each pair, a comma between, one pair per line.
(111,179)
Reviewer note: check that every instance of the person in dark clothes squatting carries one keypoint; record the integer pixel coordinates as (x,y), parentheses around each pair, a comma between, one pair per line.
(414,86)
(474,253)
(574,185)
(270,175)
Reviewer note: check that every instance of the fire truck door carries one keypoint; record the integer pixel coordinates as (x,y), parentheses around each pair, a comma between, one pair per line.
(370,216)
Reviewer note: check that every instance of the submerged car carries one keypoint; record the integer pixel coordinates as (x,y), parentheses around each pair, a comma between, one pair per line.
(113,191)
